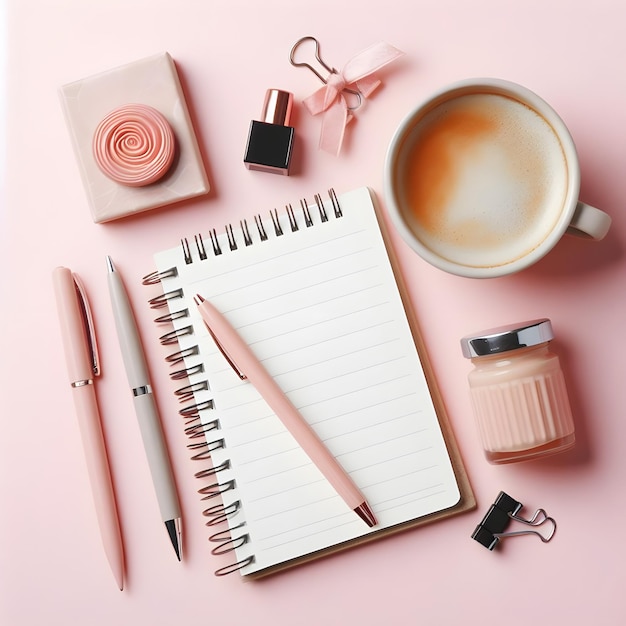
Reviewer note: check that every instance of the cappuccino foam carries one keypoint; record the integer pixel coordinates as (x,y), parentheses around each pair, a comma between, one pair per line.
(485,179)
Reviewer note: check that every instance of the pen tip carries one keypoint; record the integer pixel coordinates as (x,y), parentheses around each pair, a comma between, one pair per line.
(174,532)
(110,264)
(365,513)
(198,299)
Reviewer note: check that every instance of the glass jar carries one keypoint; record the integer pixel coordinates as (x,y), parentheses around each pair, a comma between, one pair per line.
(518,392)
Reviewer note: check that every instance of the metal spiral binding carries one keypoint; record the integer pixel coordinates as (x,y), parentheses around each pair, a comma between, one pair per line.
(194,431)
(217,248)
(173,336)
(154,278)
(164,299)
(203,436)
(186,393)
(172,317)
(220,512)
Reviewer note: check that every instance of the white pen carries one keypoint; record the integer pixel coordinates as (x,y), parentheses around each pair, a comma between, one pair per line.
(147,414)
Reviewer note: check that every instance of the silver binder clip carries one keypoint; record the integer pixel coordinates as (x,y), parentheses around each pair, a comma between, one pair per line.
(504,510)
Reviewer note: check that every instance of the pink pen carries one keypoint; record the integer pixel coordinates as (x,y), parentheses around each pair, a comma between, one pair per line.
(82,366)
(247,366)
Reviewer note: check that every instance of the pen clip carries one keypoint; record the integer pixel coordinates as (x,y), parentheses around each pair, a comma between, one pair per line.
(198,299)
(226,355)
(90,330)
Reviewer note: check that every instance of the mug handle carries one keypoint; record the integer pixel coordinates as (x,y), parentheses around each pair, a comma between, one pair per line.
(589,222)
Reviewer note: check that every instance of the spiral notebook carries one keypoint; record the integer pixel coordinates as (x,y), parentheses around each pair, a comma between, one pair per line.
(312,290)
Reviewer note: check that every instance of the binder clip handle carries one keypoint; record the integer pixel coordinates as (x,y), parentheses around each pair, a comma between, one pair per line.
(318,58)
(358,98)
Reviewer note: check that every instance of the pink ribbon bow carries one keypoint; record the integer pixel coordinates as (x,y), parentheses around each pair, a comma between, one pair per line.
(330,99)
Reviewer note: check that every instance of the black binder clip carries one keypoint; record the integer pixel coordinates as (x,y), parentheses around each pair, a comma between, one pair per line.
(505,509)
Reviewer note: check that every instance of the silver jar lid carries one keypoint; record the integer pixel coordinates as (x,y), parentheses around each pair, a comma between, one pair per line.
(505,338)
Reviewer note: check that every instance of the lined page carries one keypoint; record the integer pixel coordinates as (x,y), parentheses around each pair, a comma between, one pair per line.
(321,310)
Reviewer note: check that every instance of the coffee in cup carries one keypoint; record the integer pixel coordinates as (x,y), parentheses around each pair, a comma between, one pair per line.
(483,180)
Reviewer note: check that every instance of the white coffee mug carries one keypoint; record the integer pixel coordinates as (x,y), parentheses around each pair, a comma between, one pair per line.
(483,179)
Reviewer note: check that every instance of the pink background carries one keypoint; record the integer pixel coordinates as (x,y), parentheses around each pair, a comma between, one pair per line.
(53,570)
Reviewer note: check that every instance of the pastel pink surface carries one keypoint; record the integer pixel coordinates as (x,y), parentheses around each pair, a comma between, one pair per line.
(569,53)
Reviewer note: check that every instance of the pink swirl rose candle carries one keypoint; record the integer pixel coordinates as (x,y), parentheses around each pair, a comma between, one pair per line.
(134,145)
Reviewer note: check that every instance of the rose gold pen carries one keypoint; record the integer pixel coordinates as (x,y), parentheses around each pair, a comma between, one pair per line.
(247,366)
(82,367)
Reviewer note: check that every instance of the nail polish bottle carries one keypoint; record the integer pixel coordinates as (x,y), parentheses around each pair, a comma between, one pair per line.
(518,392)
(270,141)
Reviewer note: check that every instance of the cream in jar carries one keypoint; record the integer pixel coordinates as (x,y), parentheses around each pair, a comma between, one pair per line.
(518,392)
